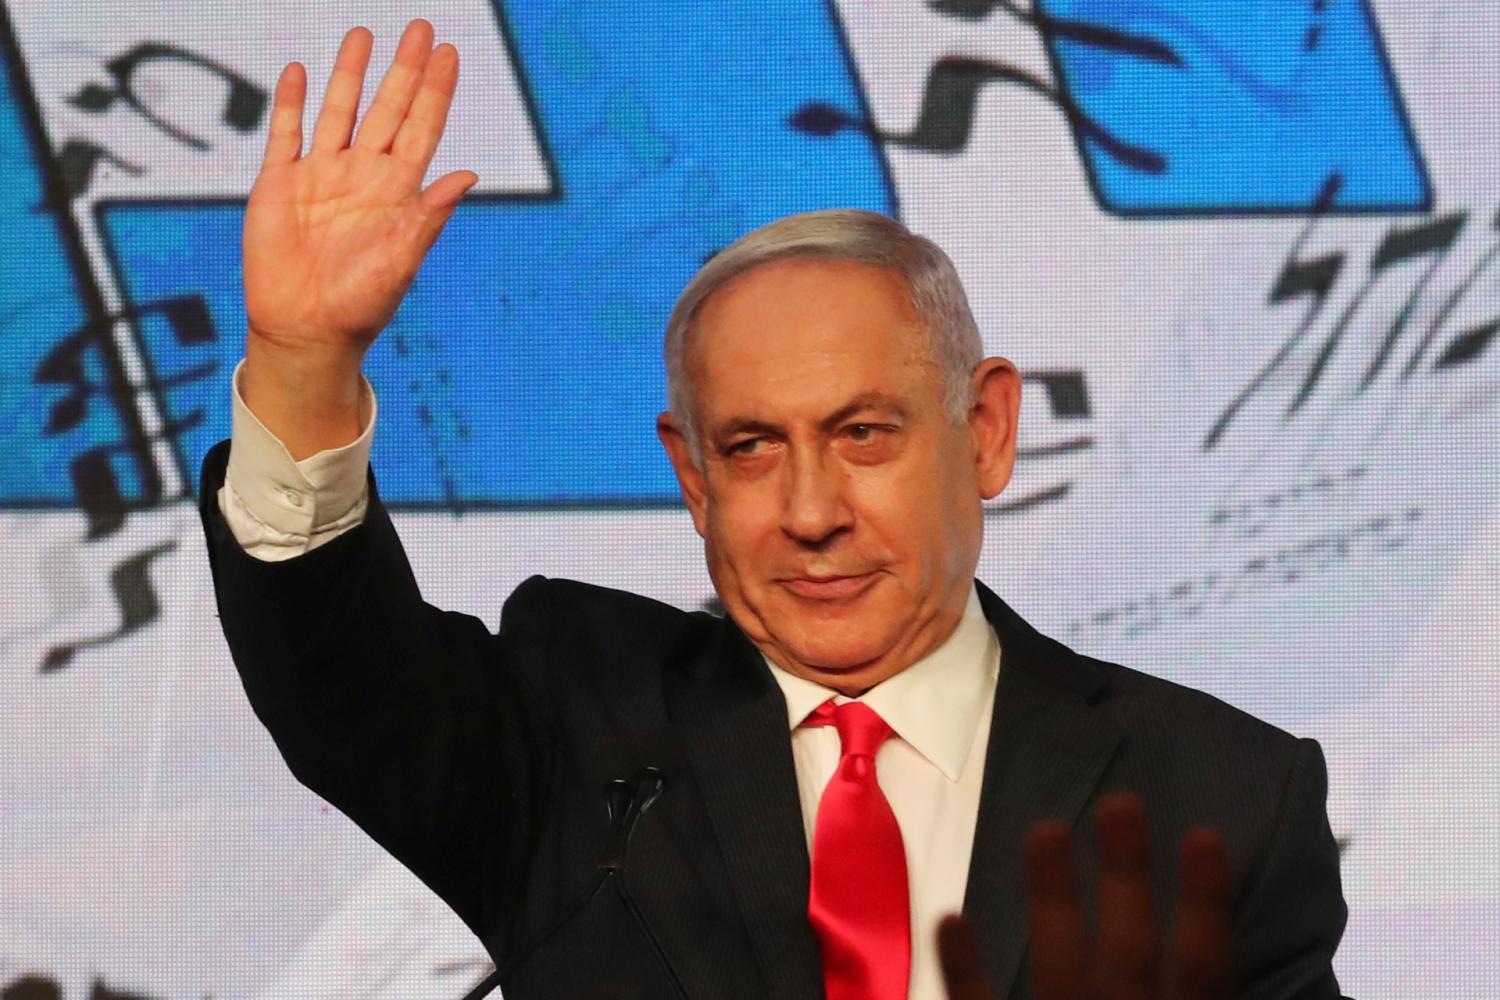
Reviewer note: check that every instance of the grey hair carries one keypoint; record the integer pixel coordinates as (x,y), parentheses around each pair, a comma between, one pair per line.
(840,234)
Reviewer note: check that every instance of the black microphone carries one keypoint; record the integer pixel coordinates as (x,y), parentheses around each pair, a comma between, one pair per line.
(624,803)
(648,787)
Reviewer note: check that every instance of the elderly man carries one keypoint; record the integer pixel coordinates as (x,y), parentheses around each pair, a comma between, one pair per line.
(625,800)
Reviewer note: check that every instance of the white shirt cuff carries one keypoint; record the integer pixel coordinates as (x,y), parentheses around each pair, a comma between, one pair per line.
(277,507)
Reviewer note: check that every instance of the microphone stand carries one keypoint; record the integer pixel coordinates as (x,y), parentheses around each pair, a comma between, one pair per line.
(625,803)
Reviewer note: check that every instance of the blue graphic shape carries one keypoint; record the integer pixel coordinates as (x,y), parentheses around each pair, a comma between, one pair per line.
(524,367)
(46,425)
(1250,107)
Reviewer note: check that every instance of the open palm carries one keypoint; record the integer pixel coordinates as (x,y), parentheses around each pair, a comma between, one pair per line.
(333,237)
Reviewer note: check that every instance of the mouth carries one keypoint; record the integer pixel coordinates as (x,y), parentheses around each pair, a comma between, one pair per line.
(830,587)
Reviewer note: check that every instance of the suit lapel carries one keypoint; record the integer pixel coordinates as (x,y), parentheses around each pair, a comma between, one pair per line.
(1048,748)
(733,721)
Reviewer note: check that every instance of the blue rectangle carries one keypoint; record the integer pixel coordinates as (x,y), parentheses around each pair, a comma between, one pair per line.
(1259,106)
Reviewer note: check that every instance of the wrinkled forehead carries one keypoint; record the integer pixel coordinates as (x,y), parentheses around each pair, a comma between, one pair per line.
(805,334)
(777,305)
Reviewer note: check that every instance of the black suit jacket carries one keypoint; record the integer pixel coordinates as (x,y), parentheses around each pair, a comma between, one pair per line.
(479,761)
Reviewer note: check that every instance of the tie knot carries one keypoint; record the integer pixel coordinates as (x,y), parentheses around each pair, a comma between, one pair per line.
(861,729)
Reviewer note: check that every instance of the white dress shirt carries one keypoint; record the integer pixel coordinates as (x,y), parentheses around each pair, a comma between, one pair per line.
(931,770)
(278,508)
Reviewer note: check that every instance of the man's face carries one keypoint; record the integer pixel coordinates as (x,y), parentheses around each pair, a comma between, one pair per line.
(838,501)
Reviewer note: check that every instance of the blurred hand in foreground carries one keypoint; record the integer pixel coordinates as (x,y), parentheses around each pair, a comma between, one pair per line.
(1128,962)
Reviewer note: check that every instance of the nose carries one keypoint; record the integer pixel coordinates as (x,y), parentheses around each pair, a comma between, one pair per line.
(814,507)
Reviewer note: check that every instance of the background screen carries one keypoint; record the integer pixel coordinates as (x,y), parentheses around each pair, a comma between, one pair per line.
(1245,256)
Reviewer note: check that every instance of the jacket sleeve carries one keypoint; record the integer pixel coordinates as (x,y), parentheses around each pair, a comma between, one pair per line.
(1292,914)
(414,722)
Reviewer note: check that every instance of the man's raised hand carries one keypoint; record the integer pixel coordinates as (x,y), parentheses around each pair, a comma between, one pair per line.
(335,234)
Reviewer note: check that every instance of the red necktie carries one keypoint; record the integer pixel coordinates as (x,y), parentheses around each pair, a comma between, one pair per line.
(858,902)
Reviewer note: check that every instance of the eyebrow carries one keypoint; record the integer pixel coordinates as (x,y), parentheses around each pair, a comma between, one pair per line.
(864,402)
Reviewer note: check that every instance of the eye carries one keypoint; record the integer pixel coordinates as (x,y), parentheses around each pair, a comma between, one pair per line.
(870,444)
(749,446)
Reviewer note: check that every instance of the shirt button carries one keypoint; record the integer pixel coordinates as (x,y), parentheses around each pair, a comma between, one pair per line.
(294,498)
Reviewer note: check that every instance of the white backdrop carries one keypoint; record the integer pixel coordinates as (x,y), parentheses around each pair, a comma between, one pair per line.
(1259,436)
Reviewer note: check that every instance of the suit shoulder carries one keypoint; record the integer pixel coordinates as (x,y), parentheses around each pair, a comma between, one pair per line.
(589,598)
(1147,704)
(580,611)
(1178,712)
(1155,712)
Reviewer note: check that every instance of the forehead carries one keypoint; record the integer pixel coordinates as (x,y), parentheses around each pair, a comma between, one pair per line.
(807,334)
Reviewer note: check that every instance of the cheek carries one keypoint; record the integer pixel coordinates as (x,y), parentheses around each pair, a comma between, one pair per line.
(926,511)
(741,528)
(963,519)
(893,523)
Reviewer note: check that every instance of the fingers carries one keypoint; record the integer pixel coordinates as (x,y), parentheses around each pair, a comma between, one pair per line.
(958,953)
(1129,955)
(1129,941)
(397,88)
(1058,947)
(1202,935)
(411,105)
(284,143)
(423,127)
(341,100)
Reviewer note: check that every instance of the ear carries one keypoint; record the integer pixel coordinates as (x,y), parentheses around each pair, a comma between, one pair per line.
(997,405)
(689,476)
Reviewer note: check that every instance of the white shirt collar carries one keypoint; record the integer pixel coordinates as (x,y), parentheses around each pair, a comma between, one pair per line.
(934,704)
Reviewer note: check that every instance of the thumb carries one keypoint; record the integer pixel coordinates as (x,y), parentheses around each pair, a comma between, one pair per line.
(445,193)
(436,206)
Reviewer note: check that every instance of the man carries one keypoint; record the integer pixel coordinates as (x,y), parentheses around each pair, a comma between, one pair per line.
(797,792)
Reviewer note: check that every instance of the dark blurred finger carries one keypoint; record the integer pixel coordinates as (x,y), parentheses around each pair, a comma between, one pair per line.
(284,142)
(1059,955)
(958,952)
(341,99)
(397,88)
(423,127)
(1201,939)
(1129,939)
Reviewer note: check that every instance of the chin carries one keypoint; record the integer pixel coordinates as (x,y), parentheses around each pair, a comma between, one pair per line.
(838,651)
